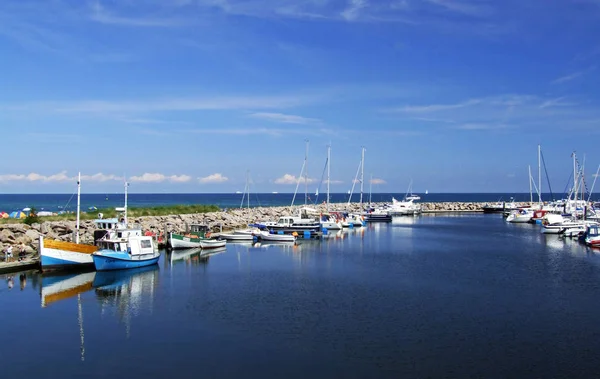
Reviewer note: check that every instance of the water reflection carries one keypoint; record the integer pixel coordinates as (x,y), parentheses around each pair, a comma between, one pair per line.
(126,292)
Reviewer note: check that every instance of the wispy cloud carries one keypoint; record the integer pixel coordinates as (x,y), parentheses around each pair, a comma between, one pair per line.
(157,178)
(352,12)
(161,105)
(285,118)
(435,107)
(292,179)
(101,15)
(463,7)
(377,181)
(573,75)
(557,102)
(213,178)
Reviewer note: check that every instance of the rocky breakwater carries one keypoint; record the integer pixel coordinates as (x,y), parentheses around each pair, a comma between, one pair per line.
(457,207)
(24,235)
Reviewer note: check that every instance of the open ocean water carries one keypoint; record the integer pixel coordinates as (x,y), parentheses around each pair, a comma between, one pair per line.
(435,296)
(59,202)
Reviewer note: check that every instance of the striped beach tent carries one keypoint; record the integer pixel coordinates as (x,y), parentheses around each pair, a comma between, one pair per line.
(17,214)
(3,215)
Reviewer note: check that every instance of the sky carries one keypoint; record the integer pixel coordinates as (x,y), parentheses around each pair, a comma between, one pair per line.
(196,95)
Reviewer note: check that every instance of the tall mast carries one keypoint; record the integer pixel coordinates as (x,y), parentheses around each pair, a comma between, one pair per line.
(78,206)
(530,190)
(248,185)
(328,173)
(370,188)
(306,175)
(126,185)
(362,175)
(540,174)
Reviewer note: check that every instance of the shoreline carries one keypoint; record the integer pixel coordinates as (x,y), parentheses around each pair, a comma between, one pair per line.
(220,221)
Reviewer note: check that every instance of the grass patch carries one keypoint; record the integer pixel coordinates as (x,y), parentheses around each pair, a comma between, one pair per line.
(131,212)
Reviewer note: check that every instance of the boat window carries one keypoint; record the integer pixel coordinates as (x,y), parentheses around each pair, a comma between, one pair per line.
(145,244)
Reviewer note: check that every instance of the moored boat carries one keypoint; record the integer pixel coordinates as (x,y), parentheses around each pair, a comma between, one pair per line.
(131,251)
(275,237)
(197,236)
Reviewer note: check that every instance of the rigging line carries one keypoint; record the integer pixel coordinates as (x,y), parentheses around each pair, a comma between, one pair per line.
(547,177)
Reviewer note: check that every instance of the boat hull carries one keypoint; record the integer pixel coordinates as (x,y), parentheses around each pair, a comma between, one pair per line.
(61,255)
(111,262)
(237,237)
(277,237)
(212,244)
(179,241)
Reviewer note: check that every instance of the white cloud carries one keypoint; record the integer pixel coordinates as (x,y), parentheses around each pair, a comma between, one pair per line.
(99,177)
(292,179)
(213,178)
(284,118)
(377,181)
(568,78)
(157,178)
(35,177)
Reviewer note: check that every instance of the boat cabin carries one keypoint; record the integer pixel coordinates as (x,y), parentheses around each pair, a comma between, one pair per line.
(134,245)
(199,230)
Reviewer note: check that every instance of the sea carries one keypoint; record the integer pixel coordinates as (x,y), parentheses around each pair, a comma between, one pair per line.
(463,295)
(68,202)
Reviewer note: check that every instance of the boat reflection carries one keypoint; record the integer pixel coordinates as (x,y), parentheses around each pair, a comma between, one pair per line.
(60,287)
(185,255)
(127,292)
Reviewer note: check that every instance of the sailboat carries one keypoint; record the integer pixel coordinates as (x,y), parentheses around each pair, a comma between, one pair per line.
(56,255)
(329,221)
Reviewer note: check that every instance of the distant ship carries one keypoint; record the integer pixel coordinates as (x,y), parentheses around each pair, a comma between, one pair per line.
(238,192)
(274,192)
(426,192)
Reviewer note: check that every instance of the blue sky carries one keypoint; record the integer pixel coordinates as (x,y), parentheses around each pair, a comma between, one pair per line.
(187,95)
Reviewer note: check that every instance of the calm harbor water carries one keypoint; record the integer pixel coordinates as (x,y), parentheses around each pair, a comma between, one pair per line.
(454,296)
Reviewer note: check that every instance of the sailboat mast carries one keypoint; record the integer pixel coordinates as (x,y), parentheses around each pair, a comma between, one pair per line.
(78,206)
(370,188)
(125,216)
(362,175)
(540,175)
(328,173)
(306,175)
(248,186)
(530,189)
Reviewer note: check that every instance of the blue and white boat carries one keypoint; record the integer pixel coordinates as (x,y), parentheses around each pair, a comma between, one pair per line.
(128,249)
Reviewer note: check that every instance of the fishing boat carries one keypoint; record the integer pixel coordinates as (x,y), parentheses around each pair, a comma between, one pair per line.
(129,249)
(191,238)
(520,216)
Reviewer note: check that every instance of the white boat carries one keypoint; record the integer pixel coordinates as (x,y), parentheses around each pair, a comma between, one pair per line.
(236,236)
(56,255)
(521,215)
(406,207)
(212,243)
(266,236)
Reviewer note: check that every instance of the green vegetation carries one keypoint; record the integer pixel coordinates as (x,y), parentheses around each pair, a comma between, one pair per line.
(32,217)
(110,212)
